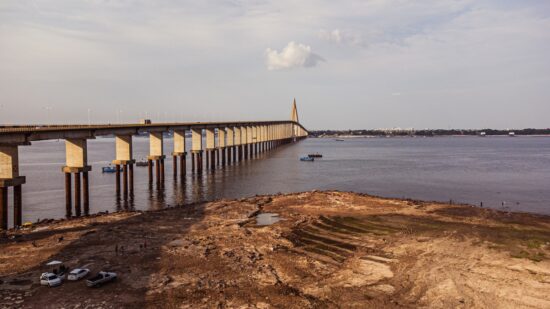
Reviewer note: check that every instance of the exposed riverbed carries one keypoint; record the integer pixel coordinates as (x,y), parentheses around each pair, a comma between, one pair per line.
(331,249)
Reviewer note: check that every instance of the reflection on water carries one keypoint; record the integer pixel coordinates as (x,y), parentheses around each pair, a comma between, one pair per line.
(503,173)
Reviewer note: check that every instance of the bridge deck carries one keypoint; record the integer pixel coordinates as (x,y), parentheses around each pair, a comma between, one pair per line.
(27,133)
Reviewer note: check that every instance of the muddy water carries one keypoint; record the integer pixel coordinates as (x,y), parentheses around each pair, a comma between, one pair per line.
(267,219)
(501,172)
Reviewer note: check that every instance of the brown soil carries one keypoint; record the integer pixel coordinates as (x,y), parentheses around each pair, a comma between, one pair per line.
(331,250)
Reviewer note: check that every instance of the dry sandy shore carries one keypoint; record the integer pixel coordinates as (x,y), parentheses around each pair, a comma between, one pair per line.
(331,250)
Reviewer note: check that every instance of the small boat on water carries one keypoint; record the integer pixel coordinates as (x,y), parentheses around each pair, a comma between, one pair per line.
(307,159)
(339,140)
(108,169)
(141,163)
(315,155)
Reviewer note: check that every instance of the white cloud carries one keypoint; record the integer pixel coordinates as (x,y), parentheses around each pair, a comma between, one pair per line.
(340,37)
(294,55)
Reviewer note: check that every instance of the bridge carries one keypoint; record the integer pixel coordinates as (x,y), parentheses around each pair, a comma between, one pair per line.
(213,145)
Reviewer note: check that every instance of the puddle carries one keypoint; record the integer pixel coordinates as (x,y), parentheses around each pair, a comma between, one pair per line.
(267,218)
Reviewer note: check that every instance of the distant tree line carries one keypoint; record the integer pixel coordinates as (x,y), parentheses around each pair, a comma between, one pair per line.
(431,132)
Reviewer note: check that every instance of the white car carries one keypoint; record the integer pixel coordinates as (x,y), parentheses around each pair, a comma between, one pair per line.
(50,279)
(78,273)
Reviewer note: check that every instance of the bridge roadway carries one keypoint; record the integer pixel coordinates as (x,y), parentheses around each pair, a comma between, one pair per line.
(226,143)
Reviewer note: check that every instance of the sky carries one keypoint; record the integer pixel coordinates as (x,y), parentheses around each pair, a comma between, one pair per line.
(350,64)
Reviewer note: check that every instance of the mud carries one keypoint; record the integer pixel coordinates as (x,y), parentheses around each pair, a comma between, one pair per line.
(329,250)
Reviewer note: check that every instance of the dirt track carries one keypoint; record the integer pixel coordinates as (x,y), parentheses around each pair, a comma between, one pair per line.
(331,250)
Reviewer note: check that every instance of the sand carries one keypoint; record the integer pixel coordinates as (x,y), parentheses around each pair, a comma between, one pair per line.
(330,250)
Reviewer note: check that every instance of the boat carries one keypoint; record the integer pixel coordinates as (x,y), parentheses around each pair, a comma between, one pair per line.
(108,169)
(142,163)
(315,155)
(307,159)
(339,140)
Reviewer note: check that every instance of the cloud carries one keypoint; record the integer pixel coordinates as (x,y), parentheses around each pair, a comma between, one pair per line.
(340,37)
(294,55)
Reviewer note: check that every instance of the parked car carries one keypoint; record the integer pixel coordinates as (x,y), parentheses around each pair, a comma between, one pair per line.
(100,278)
(78,273)
(50,279)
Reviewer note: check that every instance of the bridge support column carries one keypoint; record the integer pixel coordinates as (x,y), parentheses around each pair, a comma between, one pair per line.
(237,140)
(227,156)
(181,157)
(175,166)
(76,153)
(222,143)
(117,180)
(162,169)
(9,177)
(211,159)
(156,154)
(199,163)
(196,149)
(157,170)
(3,208)
(211,148)
(150,169)
(229,143)
(179,152)
(68,196)
(125,181)
(17,206)
(81,190)
(183,164)
(124,159)
(77,195)
(86,193)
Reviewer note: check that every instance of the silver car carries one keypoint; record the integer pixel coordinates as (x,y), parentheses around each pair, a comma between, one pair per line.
(50,279)
(78,273)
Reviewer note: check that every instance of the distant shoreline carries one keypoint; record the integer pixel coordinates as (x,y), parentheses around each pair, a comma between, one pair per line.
(389,136)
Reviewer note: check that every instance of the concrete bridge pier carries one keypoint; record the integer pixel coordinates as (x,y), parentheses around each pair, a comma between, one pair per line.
(230,143)
(156,155)
(179,152)
(245,144)
(238,140)
(179,158)
(199,155)
(9,177)
(79,198)
(124,161)
(222,140)
(76,153)
(211,148)
(196,150)
(150,164)
(249,142)
(197,161)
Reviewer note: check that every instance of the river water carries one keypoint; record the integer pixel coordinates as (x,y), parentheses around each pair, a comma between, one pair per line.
(502,172)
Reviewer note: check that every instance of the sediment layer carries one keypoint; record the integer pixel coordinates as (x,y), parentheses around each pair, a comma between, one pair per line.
(330,250)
